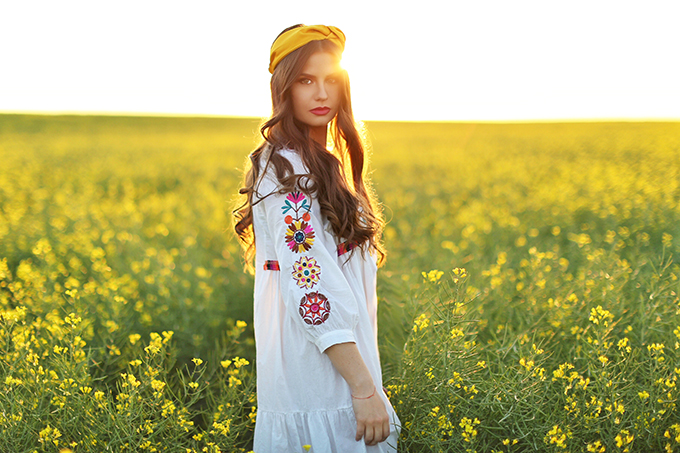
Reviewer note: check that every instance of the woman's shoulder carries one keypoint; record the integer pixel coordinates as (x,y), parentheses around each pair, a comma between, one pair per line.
(268,181)
(292,156)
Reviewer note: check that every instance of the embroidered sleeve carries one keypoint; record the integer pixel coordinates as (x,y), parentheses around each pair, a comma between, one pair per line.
(313,286)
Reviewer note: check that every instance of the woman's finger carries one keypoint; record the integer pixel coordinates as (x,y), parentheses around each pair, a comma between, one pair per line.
(386,430)
(377,434)
(369,435)
(361,429)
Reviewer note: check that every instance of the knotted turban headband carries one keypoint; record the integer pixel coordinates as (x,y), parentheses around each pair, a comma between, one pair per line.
(297,37)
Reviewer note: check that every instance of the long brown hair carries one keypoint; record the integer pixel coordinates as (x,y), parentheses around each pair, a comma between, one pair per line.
(337,178)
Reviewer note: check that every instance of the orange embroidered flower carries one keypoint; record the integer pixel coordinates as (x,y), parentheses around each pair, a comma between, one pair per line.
(315,308)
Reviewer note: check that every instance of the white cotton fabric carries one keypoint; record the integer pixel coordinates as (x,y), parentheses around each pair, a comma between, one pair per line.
(302,399)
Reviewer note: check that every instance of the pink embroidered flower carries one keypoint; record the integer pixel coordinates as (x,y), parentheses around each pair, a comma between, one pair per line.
(315,308)
(299,236)
(306,272)
(295,197)
(296,203)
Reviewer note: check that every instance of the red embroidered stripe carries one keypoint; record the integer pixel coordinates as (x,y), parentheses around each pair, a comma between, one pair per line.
(271,265)
(345,247)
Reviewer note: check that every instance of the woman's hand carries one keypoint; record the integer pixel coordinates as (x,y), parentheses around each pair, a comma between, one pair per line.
(373,423)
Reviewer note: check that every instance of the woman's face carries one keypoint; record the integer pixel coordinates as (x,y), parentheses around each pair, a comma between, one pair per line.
(317,91)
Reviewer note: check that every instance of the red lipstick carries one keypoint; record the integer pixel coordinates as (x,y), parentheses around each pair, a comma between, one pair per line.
(321,111)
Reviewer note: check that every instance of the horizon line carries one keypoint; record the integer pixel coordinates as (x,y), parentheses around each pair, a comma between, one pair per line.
(210,115)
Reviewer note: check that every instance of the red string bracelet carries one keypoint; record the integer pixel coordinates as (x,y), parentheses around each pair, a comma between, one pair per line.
(365,397)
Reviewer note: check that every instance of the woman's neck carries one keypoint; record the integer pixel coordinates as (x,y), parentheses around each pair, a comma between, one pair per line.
(319,134)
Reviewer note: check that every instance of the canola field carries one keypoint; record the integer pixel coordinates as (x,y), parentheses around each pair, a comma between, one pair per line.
(529,301)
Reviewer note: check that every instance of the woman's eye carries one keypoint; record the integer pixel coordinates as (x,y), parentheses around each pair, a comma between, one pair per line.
(332,80)
(305,81)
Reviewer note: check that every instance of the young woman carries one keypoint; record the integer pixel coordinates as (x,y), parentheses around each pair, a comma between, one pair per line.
(314,229)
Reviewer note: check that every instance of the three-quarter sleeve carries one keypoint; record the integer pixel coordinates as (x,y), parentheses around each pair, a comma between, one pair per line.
(316,294)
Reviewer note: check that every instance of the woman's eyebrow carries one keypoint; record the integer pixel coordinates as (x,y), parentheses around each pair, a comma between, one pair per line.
(310,76)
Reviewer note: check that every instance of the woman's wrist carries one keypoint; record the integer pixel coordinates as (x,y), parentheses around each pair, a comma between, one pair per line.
(363,388)
(349,363)
(364,397)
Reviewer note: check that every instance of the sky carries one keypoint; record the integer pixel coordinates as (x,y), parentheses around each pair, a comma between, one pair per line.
(407,60)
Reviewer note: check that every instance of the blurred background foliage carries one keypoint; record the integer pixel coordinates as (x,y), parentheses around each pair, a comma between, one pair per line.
(118,268)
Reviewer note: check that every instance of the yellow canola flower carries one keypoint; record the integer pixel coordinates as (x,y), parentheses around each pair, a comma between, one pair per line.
(666,239)
(528,364)
(429,374)
(596,447)
(5,273)
(157,385)
(469,432)
(421,322)
(460,272)
(456,332)
(624,438)
(50,434)
(623,344)
(9,380)
(239,362)
(599,315)
(432,276)
(557,436)
(656,347)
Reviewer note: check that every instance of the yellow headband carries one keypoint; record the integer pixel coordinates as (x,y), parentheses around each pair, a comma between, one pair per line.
(298,37)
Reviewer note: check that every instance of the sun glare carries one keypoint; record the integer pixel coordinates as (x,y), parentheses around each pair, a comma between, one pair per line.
(357,78)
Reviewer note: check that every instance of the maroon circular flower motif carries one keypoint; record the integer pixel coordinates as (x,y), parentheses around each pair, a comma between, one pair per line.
(315,308)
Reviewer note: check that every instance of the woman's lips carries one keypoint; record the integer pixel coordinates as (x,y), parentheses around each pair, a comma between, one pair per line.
(320,111)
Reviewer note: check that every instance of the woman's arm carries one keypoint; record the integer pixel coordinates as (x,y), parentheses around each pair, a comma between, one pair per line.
(373,423)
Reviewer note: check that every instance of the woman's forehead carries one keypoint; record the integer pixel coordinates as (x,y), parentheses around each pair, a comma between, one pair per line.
(322,62)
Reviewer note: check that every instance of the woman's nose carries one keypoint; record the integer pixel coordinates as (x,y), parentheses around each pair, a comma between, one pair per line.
(321,93)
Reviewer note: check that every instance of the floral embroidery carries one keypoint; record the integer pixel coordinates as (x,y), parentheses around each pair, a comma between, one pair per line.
(299,236)
(315,308)
(271,265)
(345,247)
(297,198)
(306,272)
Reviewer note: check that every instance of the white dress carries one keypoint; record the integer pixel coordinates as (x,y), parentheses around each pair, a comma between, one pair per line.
(307,299)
